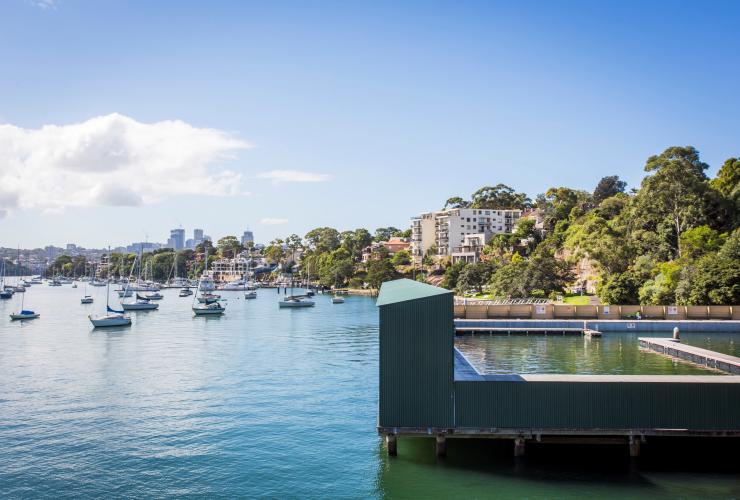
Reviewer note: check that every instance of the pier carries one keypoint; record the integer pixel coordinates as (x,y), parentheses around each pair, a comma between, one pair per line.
(696,355)
(429,389)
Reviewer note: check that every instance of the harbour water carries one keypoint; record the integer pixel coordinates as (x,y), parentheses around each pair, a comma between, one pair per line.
(259,402)
(614,353)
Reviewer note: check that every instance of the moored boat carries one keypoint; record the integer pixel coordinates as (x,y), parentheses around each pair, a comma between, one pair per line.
(24,314)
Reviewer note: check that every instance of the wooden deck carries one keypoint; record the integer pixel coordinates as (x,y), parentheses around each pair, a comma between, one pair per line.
(696,355)
(519,330)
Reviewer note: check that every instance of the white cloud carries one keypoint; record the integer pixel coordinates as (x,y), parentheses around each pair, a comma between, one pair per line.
(44,4)
(273,222)
(278,176)
(113,160)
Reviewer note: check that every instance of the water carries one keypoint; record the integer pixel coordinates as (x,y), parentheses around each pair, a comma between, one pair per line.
(259,402)
(612,354)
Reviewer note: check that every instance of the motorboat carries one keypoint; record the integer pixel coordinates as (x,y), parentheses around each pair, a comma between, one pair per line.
(19,289)
(337,300)
(6,294)
(206,284)
(236,285)
(87,299)
(250,294)
(154,296)
(55,282)
(186,292)
(24,314)
(296,301)
(95,282)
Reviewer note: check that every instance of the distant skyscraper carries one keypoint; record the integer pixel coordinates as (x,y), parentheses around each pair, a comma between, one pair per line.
(247,236)
(178,238)
(198,236)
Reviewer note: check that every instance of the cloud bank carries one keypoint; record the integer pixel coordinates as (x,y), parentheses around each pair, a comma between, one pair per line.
(279,176)
(273,222)
(113,160)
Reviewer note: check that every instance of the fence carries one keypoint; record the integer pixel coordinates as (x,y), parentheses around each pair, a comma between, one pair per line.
(479,310)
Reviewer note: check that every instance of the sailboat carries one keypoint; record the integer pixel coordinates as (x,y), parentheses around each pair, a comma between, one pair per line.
(141,303)
(5,293)
(336,299)
(210,306)
(86,299)
(296,300)
(112,317)
(24,314)
(250,292)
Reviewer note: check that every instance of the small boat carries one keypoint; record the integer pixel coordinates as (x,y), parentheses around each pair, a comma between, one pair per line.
(236,285)
(124,293)
(87,299)
(250,294)
(6,294)
(186,292)
(24,314)
(55,283)
(206,284)
(111,319)
(140,304)
(209,308)
(154,296)
(208,296)
(74,285)
(296,301)
(95,282)
(337,300)
(19,289)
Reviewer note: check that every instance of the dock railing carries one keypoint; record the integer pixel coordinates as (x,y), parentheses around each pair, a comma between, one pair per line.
(482,309)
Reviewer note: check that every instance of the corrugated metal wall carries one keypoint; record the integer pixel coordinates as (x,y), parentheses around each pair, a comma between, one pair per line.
(416,363)
(597,405)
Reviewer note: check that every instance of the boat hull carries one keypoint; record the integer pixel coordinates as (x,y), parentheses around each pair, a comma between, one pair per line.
(110,321)
(300,303)
(139,307)
(23,317)
(207,312)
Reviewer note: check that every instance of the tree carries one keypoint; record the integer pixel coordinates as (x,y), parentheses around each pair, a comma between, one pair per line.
(672,199)
(699,241)
(401,258)
(452,273)
(385,233)
(456,202)
(715,278)
(607,187)
(355,242)
(474,277)
(499,197)
(727,181)
(380,269)
(322,239)
(274,252)
(229,247)
(293,242)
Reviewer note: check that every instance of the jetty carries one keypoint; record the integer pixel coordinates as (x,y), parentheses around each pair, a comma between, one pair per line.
(427,388)
(696,355)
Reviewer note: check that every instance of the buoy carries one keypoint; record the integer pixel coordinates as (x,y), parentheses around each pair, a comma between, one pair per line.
(676,333)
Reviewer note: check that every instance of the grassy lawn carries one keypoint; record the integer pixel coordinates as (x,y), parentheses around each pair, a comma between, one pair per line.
(577,300)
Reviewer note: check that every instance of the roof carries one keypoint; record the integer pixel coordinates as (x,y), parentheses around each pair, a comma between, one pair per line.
(402,290)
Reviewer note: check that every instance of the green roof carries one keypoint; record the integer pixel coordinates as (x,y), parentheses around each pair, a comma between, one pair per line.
(406,289)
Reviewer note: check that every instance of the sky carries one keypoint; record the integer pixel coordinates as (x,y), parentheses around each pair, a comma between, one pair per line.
(120,120)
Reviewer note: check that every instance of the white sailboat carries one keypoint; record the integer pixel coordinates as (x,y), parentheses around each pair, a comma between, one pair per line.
(86,299)
(111,316)
(141,303)
(291,300)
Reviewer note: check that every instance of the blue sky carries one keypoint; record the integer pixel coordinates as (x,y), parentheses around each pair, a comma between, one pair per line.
(293,115)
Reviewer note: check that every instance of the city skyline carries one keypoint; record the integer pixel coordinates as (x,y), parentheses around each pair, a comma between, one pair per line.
(297,117)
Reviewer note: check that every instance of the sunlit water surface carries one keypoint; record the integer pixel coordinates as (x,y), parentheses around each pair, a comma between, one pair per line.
(259,402)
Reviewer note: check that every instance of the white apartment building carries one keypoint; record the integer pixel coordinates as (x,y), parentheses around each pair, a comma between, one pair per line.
(448,229)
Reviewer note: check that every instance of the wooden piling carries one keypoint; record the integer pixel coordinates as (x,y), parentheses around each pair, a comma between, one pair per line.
(441,446)
(391,442)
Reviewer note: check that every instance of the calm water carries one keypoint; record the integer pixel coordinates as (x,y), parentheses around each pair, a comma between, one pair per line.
(260,402)
(613,354)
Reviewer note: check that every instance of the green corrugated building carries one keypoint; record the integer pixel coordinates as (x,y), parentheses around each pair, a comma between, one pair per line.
(428,388)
